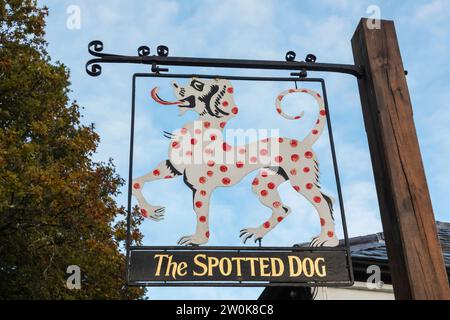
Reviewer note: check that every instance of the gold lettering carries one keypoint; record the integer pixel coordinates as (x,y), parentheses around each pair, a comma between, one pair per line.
(252,265)
(263,265)
(274,261)
(238,265)
(212,264)
(308,267)
(182,267)
(200,264)
(229,266)
(322,272)
(160,258)
(295,260)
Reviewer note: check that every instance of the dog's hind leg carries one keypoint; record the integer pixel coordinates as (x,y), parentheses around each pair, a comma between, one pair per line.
(265,186)
(164,170)
(201,207)
(324,206)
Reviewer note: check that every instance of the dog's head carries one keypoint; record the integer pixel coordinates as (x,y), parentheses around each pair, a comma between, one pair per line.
(209,98)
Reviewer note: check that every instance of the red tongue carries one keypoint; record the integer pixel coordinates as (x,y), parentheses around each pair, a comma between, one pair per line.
(155,97)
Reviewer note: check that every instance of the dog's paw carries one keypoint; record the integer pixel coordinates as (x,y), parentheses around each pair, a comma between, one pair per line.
(324,240)
(256,233)
(155,213)
(192,240)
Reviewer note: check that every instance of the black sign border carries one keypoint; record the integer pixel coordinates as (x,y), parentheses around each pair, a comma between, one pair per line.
(345,249)
(341,250)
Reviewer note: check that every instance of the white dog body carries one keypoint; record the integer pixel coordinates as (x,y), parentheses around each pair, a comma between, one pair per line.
(198,153)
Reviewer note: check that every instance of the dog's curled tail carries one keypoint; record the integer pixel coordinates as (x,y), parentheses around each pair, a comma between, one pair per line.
(320,123)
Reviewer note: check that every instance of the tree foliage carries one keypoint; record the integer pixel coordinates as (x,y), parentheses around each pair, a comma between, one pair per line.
(57,206)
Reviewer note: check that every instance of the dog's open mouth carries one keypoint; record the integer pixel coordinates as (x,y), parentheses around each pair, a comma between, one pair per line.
(184,103)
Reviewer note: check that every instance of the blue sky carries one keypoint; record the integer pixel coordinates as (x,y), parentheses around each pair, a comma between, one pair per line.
(261,29)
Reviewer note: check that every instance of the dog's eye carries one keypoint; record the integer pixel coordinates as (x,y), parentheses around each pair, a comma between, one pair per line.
(197,85)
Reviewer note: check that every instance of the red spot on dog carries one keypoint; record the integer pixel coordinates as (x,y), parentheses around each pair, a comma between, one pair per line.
(193,141)
(207,234)
(315,131)
(317,199)
(255,182)
(323,112)
(223,168)
(308,154)
(309,186)
(213,137)
(294,143)
(203,193)
(280,140)
(144,213)
(264,152)
(279,110)
(291,90)
(253,159)
(223,124)
(137,186)
(318,121)
(264,174)
(210,173)
(318,95)
(198,204)
(306,169)
(230,90)
(280,98)
(198,131)
(295,157)
(183,131)
(242,151)
(156,172)
(297,188)
(202,219)
(279,219)
(266,224)
(235,110)
(168,177)
(207,124)
(276,204)
(330,234)
(239,164)
(225,103)
(175,145)
(211,163)
(271,185)
(264,193)
(278,159)
(297,117)
(188,153)
(226,147)
(294,172)
(322,222)
(226,181)
(202,180)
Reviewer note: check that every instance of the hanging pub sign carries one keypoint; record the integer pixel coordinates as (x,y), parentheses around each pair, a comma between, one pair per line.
(198,153)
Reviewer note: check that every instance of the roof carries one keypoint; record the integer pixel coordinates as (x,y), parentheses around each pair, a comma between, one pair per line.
(365,251)
(373,246)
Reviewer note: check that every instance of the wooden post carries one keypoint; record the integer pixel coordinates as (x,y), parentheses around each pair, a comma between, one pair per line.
(415,255)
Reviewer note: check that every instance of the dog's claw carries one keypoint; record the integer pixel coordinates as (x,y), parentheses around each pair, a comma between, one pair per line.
(192,240)
(248,233)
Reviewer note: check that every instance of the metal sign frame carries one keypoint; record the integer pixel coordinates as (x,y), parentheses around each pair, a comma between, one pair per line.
(94,69)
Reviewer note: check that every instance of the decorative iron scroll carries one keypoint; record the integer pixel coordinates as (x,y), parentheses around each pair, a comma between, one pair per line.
(93,67)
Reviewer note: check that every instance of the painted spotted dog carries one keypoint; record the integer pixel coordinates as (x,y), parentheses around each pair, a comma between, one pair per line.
(199,154)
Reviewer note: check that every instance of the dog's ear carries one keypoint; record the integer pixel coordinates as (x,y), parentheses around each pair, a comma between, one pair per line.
(223,104)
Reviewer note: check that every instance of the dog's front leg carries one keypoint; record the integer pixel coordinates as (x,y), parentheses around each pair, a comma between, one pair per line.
(164,170)
(201,208)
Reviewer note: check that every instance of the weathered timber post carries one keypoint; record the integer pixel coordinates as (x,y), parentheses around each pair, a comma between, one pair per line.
(415,256)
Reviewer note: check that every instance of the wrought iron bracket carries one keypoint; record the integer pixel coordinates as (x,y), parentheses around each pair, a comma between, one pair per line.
(95,48)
